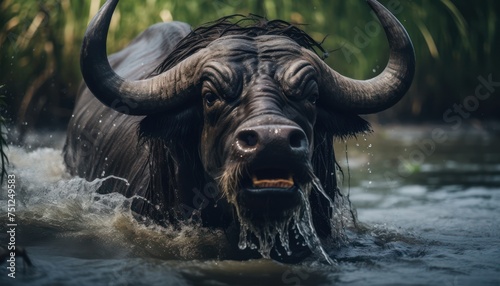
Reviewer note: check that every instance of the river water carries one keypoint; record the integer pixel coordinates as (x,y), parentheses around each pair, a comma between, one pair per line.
(427,199)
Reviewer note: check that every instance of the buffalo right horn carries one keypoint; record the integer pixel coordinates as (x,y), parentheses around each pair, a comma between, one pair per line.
(168,90)
(386,89)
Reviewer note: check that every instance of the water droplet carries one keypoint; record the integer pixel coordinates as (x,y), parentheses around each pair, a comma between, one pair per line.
(242,244)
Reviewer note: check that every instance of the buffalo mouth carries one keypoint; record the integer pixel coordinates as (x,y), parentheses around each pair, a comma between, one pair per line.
(272,178)
(269,193)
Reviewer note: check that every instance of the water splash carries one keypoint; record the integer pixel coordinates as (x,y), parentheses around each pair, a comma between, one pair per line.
(299,220)
(54,204)
(266,234)
(50,198)
(343,214)
(305,226)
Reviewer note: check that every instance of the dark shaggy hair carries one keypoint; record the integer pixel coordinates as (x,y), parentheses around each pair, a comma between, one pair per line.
(251,25)
(176,135)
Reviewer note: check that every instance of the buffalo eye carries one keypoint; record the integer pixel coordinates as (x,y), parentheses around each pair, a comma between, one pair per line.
(209,93)
(311,91)
(210,98)
(313,98)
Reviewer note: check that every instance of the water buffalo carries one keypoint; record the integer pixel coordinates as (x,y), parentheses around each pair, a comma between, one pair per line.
(232,124)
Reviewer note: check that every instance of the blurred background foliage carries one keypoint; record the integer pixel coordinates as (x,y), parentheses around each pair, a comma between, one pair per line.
(455,42)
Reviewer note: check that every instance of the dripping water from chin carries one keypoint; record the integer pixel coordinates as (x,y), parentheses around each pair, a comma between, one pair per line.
(342,213)
(306,228)
(299,220)
(265,234)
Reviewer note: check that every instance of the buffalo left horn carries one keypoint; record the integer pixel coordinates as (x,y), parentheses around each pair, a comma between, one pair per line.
(383,91)
(166,91)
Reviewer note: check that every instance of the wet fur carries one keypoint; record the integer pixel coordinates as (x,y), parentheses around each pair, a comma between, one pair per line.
(172,140)
(176,136)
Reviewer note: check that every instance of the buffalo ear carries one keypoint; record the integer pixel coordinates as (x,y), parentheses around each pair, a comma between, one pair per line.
(341,125)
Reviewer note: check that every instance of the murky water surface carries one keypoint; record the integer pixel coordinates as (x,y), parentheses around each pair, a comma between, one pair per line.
(428,199)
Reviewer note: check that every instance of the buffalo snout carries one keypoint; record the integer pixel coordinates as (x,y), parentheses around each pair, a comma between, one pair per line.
(277,160)
(280,138)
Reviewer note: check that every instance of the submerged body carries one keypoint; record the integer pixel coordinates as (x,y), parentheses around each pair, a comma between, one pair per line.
(228,124)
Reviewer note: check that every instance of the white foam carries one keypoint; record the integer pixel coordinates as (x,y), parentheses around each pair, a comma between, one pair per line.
(44,165)
(48,197)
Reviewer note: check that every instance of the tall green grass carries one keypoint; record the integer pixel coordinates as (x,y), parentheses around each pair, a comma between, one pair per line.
(455,41)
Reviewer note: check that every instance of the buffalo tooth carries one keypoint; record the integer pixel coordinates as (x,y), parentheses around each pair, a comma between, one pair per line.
(272,183)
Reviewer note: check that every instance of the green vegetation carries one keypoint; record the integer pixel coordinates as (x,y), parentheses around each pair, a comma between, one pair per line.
(455,42)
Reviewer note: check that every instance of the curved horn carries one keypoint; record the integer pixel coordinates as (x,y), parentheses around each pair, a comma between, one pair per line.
(140,97)
(386,89)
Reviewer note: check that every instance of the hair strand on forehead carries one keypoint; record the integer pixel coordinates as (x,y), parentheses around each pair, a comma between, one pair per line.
(251,25)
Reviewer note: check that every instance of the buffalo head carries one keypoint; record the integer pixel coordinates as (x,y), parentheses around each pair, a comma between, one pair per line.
(267,108)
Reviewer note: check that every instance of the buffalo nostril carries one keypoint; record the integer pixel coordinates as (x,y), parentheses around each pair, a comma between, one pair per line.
(248,138)
(297,139)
